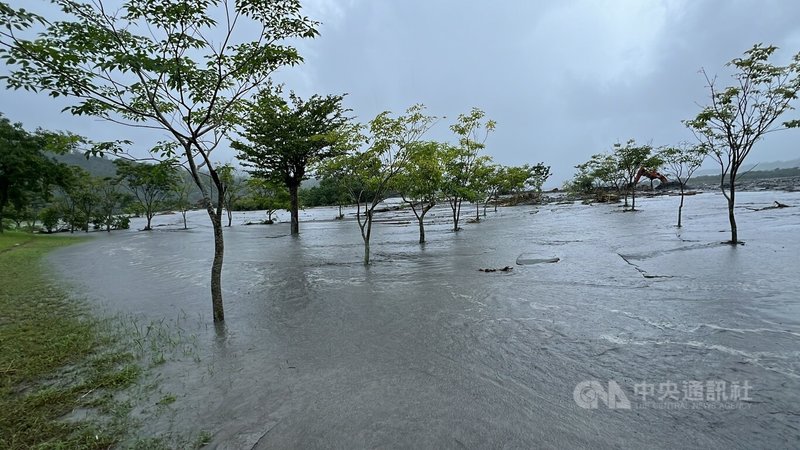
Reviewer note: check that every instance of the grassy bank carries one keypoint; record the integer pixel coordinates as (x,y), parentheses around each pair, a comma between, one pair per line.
(59,367)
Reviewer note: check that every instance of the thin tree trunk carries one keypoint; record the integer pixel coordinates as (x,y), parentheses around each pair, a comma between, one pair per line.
(295,208)
(731,218)
(633,198)
(477,211)
(455,206)
(216,266)
(230,215)
(680,207)
(366,235)
(184,220)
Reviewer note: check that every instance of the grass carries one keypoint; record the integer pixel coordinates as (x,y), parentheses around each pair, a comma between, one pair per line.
(59,366)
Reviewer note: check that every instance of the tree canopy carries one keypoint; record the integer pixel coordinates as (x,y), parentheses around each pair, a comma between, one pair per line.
(26,169)
(283,139)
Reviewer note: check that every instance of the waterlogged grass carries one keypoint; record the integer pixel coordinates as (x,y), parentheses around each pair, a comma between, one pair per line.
(70,379)
(59,367)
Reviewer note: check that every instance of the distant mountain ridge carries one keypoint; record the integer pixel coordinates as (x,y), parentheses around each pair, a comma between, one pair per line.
(96,166)
(759,166)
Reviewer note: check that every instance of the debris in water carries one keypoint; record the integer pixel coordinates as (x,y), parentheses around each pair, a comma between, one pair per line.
(504,269)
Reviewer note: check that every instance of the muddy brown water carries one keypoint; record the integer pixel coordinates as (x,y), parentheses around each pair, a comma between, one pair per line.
(421,350)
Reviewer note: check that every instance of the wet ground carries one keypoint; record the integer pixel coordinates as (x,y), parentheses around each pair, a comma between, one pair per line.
(422,350)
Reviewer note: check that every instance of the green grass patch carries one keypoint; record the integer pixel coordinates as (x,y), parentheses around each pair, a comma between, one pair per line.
(59,366)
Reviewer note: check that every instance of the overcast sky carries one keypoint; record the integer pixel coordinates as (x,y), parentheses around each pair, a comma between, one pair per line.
(563,79)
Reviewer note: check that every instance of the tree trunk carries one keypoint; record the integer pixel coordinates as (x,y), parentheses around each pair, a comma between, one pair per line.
(230,215)
(366,235)
(477,211)
(294,206)
(455,205)
(731,218)
(633,198)
(184,220)
(149,218)
(421,230)
(680,207)
(2,207)
(216,266)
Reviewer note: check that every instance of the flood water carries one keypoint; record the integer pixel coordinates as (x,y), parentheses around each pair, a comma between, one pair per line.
(422,350)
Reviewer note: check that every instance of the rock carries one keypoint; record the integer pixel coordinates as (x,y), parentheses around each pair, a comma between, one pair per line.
(528,259)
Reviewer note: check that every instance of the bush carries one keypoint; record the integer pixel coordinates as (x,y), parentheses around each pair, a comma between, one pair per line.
(50,217)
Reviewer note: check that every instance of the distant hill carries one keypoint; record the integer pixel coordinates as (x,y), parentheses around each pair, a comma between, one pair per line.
(750,175)
(96,166)
(761,167)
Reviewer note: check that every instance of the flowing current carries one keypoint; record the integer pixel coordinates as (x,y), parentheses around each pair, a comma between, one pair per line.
(641,335)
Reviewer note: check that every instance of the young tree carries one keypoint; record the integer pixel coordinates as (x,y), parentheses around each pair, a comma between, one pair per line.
(150,184)
(630,158)
(181,194)
(109,200)
(50,217)
(480,189)
(268,195)
(462,162)
(519,178)
(153,64)
(539,173)
(683,160)
(496,184)
(369,174)
(69,194)
(420,180)
(232,190)
(284,139)
(86,198)
(740,114)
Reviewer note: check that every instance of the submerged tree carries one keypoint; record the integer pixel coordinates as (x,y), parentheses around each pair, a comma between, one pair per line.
(368,175)
(109,201)
(232,189)
(420,180)
(683,160)
(286,138)
(462,163)
(269,195)
(150,184)
(630,158)
(740,114)
(519,178)
(153,64)
(181,197)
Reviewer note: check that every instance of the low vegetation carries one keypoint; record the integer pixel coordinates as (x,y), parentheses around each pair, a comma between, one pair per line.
(55,360)
(66,377)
